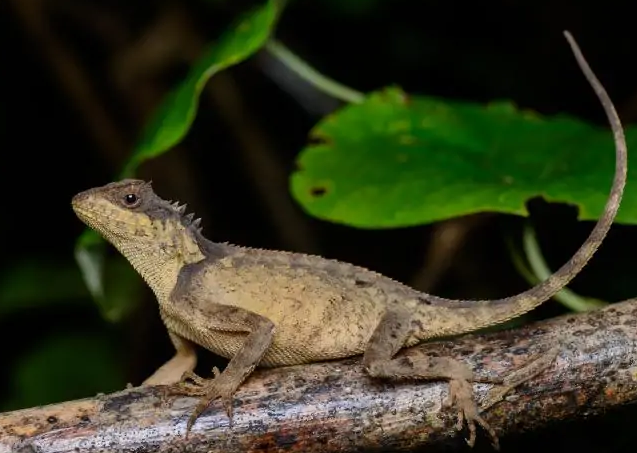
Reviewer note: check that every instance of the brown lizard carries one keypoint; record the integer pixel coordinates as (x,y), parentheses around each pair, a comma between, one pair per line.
(274,308)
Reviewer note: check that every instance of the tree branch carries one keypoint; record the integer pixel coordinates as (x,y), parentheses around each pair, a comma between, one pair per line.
(336,407)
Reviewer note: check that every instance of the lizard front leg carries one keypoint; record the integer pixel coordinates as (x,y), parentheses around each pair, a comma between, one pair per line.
(224,318)
(390,336)
(184,361)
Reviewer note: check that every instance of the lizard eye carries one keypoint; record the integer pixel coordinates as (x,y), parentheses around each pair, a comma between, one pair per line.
(131,200)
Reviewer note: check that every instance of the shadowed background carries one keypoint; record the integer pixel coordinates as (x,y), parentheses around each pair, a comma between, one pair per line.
(80,78)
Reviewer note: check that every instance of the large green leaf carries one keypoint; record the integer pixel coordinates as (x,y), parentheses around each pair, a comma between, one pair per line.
(174,117)
(394,161)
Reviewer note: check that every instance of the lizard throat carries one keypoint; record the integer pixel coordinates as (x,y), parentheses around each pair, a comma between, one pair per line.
(159,266)
(156,250)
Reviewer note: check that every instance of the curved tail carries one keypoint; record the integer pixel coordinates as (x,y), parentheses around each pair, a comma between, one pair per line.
(483,313)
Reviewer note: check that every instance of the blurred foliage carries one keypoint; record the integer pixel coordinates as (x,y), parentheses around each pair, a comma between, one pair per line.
(394,160)
(50,373)
(21,291)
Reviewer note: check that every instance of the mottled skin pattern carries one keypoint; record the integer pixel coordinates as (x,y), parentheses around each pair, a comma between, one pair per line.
(272,308)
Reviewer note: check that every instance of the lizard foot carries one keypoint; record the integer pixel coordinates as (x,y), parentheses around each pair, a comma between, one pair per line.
(529,371)
(461,397)
(209,390)
(461,394)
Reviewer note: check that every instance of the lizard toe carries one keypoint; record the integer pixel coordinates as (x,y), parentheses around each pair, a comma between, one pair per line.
(209,390)
(194,378)
(208,393)
(189,389)
(184,388)
(228,406)
(461,396)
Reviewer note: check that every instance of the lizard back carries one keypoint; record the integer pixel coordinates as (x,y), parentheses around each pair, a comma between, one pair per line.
(314,302)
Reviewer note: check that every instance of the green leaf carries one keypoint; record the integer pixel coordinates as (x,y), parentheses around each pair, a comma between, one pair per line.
(124,292)
(124,289)
(394,161)
(89,254)
(174,117)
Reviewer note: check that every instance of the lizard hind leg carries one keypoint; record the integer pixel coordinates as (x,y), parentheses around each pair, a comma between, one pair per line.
(390,336)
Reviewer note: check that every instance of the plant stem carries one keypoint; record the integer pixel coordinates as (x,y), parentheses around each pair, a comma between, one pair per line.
(311,75)
(566,297)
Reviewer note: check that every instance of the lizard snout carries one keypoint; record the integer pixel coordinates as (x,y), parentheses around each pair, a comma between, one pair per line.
(79,199)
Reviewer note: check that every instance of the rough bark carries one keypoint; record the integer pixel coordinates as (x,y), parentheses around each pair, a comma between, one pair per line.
(336,407)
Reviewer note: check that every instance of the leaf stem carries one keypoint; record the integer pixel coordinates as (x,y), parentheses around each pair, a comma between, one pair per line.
(311,75)
(539,267)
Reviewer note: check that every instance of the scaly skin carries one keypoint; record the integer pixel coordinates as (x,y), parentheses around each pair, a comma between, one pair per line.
(273,308)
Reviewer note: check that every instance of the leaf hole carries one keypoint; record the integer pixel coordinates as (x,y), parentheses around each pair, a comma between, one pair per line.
(318,140)
(318,191)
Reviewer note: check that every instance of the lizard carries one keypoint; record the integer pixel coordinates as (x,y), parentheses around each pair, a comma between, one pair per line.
(271,308)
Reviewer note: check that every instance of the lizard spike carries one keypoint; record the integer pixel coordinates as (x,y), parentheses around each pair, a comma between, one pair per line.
(197,223)
(189,217)
(181,209)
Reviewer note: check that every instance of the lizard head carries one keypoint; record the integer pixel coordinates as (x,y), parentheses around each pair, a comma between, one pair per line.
(136,221)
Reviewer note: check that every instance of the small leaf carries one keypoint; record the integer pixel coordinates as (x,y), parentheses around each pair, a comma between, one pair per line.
(89,254)
(174,117)
(123,293)
(394,161)
(124,289)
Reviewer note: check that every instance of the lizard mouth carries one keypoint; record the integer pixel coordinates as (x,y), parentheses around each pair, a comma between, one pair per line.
(85,214)
(82,213)
(95,217)
(92,222)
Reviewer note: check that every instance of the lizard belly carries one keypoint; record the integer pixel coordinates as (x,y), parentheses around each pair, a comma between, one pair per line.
(310,335)
(317,316)
(306,333)
(291,345)
(314,318)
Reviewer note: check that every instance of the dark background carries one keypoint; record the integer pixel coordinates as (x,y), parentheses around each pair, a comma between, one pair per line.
(80,77)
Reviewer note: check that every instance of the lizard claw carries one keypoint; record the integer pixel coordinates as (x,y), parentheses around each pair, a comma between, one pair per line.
(183,387)
(461,396)
(208,390)
(191,376)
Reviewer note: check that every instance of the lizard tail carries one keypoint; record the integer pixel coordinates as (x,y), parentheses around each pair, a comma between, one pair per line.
(483,313)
